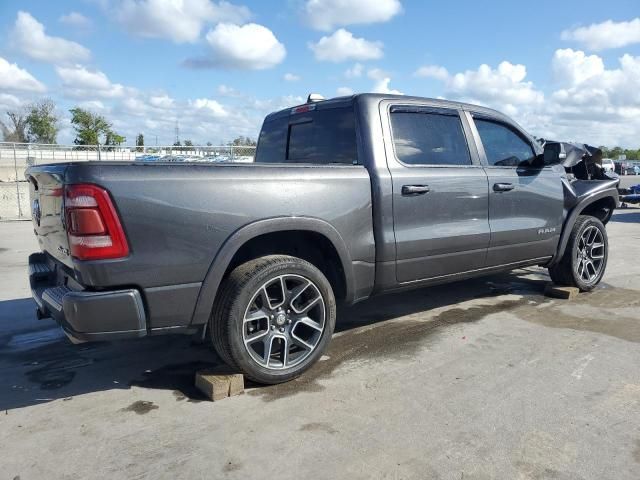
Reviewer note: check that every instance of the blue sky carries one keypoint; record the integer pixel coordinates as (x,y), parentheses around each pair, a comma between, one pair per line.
(568,70)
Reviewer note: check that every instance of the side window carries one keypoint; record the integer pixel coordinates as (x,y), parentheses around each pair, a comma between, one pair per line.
(428,138)
(503,146)
(326,136)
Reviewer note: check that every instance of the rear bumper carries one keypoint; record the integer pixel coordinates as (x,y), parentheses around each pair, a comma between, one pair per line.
(85,315)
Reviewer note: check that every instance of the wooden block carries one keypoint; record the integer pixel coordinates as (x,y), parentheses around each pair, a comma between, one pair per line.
(217,387)
(565,293)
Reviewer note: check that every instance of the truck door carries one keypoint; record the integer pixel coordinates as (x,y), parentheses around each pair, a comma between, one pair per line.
(440,193)
(525,200)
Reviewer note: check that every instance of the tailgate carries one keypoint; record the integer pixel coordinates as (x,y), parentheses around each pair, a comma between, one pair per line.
(46,191)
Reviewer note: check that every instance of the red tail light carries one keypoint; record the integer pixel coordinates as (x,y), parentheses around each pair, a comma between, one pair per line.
(93,226)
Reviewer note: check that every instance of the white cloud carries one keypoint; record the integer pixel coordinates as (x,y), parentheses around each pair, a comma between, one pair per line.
(178,20)
(79,82)
(75,19)
(291,77)
(575,67)
(609,34)
(227,91)
(598,89)
(382,86)
(161,101)
(13,77)
(247,47)
(432,71)
(595,104)
(29,37)
(344,91)
(9,102)
(383,79)
(94,106)
(355,71)
(211,107)
(503,86)
(590,103)
(342,46)
(327,14)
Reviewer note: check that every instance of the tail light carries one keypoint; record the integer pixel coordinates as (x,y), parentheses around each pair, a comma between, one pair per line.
(93,226)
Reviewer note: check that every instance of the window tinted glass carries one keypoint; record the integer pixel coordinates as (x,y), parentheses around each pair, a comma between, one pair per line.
(321,136)
(503,146)
(422,138)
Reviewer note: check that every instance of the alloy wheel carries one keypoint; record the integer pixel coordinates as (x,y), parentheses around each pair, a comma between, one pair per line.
(284,322)
(590,254)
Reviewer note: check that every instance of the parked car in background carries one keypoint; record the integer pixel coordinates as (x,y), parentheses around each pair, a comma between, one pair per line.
(608,165)
(631,170)
(347,198)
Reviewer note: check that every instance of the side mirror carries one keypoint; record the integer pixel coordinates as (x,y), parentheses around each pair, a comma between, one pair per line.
(554,153)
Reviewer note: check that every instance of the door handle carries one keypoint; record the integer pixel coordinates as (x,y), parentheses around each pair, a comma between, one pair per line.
(503,187)
(415,189)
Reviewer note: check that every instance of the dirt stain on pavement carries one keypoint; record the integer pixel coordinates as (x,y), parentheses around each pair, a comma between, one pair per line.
(606,310)
(56,374)
(140,407)
(318,427)
(231,467)
(636,452)
(396,339)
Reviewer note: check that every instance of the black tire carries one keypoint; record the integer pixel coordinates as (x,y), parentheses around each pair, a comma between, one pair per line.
(567,270)
(236,296)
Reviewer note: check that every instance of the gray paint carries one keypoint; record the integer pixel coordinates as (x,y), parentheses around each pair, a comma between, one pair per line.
(185,222)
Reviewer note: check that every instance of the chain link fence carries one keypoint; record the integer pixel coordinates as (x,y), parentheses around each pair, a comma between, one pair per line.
(16,157)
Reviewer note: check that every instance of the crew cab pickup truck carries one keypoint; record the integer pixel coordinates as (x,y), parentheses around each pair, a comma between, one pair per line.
(347,198)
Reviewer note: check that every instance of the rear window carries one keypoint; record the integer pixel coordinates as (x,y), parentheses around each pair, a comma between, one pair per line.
(319,136)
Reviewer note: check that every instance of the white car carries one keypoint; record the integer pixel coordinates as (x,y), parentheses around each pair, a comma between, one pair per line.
(608,165)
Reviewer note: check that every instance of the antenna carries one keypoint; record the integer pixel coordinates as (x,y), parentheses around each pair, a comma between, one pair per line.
(177,132)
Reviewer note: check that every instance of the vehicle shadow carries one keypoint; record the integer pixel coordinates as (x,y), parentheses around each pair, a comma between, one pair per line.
(39,364)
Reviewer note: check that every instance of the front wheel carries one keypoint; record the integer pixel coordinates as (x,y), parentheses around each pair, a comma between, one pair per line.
(585,258)
(274,318)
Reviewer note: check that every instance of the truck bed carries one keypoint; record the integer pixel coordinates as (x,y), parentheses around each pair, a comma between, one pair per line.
(177,217)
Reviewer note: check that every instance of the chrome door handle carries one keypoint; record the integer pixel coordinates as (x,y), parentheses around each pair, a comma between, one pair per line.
(415,189)
(503,187)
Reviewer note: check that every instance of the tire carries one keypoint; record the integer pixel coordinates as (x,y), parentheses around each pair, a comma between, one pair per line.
(290,312)
(585,258)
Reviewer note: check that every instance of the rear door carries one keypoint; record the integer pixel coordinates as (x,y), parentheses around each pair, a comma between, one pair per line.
(439,193)
(525,201)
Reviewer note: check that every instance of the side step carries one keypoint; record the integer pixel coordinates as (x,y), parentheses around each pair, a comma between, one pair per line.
(39,270)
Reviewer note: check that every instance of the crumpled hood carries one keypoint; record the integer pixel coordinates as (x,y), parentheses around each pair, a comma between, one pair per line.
(575,153)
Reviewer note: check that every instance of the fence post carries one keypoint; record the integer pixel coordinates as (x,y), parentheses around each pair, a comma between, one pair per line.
(15,166)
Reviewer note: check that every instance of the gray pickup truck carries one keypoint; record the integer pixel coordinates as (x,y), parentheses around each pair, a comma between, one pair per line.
(347,198)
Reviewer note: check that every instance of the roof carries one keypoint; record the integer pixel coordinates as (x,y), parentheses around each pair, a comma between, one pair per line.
(378,97)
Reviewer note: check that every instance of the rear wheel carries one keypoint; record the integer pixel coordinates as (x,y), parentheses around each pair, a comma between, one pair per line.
(274,318)
(585,258)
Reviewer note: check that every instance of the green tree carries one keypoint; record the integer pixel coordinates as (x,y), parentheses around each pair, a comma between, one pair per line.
(15,130)
(90,127)
(42,123)
(615,152)
(140,142)
(113,139)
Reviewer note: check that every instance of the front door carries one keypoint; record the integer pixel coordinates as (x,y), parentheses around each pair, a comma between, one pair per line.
(525,201)
(439,194)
